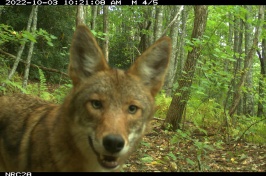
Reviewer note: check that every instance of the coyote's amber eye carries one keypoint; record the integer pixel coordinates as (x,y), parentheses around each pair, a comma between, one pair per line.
(132,109)
(96,104)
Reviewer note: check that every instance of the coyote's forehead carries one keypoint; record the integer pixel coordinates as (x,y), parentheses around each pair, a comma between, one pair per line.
(117,85)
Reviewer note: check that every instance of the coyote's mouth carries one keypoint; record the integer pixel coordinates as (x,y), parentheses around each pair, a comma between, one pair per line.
(109,162)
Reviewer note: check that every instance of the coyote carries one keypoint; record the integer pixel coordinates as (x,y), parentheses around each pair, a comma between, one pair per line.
(100,121)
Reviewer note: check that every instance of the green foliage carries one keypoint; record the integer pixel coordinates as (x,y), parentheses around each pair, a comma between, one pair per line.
(7,34)
(99,34)
(48,37)
(163,103)
(60,93)
(43,90)
(205,114)
(13,86)
(251,129)
(10,86)
(201,148)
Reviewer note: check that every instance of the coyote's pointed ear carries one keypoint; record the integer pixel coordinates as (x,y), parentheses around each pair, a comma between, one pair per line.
(152,65)
(86,57)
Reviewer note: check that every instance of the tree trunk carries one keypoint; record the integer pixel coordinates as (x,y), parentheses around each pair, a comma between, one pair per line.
(238,39)
(239,61)
(158,22)
(226,64)
(181,95)
(152,11)
(248,100)
(262,79)
(247,62)
(28,61)
(105,31)
(93,17)
(143,44)
(181,50)
(176,10)
(80,17)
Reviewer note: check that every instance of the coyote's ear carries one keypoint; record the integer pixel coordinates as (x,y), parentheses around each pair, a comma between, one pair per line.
(152,65)
(86,57)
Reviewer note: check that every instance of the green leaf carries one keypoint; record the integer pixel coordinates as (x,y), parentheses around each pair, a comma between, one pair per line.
(147,159)
(172,156)
(189,161)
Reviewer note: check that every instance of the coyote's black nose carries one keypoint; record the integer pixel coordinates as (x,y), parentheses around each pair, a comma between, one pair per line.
(113,143)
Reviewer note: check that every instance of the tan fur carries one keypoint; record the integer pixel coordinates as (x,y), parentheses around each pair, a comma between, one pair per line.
(100,121)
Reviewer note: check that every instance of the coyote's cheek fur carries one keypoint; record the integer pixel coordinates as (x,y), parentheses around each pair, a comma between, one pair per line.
(98,124)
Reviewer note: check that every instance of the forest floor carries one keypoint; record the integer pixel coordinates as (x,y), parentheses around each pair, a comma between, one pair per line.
(157,154)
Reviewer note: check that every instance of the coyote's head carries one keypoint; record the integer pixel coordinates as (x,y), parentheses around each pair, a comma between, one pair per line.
(109,108)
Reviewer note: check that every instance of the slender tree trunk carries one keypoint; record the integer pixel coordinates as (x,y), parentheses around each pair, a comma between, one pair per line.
(173,61)
(239,61)
(238,36)
(227,63)
(80,16)
(93,17)
(105,30)
(152,28)
(229,39)
(152,16)
(183,34)
(248,95)
(28,61)
(262,80)
(181,95)
(247,62)
(145,25)
(158,22)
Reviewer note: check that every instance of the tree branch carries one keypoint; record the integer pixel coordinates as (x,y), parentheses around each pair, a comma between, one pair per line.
(172,22)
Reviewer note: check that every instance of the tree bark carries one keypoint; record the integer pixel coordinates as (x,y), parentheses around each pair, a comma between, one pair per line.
(93,17)
(176,10)
(181,50)
(238,40)
(181,95)
(248,100)
(28,61)
(247,62)
(80,17)
(158,22)
(105,30)
(262,79)
(174,20)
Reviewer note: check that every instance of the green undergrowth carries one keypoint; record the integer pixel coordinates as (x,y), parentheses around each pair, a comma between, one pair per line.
(208,118)
(39,88)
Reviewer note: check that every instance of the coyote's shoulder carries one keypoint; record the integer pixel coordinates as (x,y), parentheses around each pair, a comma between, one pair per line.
(98,124)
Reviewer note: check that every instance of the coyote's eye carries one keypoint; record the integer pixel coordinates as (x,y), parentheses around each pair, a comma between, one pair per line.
(132,109)
(96,104)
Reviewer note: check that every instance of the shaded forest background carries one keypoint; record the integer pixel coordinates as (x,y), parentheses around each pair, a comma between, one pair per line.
(216,82)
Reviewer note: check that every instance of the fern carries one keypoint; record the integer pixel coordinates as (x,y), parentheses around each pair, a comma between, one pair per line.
(43,90)
(14,85)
